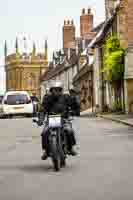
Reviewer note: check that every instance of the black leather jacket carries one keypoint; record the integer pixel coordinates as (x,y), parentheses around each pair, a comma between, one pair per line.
(56,104)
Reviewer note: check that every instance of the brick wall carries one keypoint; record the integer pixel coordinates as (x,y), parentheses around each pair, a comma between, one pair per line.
(129,8)
(123,23)
(86,23)
(68,34)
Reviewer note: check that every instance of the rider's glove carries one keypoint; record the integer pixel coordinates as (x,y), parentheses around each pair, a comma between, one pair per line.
(40,123)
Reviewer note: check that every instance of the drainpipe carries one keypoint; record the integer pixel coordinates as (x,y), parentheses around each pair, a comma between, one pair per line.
(92,91)
(124,85)
(40,85)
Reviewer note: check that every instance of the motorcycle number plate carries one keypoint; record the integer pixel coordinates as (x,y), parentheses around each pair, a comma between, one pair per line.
(54,122)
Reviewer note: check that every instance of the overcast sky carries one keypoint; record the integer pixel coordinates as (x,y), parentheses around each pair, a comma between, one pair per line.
(38,20)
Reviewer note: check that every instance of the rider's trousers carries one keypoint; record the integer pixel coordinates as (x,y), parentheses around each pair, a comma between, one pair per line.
(71,140)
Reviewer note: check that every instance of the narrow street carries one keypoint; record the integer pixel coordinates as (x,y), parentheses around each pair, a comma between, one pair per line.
(103,170)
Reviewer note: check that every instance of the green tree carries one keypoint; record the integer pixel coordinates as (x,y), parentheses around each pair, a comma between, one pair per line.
(113,68)
(113,60)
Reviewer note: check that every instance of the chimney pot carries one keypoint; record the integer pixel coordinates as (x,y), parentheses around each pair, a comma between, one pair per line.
(64,22)
(68,22)
(72,23)
(89,11)
(83,11)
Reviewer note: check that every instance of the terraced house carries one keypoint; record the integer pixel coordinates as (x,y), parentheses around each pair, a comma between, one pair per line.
(108,93)
(67,62)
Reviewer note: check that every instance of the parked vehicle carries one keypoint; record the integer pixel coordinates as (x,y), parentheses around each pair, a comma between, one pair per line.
(57,139)
(17,103)
(1,98)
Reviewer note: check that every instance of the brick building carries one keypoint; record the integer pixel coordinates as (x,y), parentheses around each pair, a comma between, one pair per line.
(69,34)
(86,24)
(123,22)
(68,62)
(119,20)
(127,8)
(114,24)
(84,78)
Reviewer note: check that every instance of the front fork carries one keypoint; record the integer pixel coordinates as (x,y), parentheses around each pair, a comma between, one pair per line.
(61,138)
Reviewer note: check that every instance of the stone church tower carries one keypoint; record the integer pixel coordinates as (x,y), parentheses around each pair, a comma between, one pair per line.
(23,71)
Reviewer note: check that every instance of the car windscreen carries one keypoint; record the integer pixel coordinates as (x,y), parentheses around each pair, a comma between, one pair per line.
(17,99)
(1,98)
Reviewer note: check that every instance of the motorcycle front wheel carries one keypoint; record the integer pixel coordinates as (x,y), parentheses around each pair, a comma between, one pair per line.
(55,154)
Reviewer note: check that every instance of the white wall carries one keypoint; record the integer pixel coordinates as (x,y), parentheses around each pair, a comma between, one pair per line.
(97,88)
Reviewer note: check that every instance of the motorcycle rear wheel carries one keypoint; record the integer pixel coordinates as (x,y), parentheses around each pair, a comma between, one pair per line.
(57,164)
(63,162)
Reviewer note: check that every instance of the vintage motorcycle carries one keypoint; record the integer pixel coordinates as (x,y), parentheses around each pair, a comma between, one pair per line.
(57,139)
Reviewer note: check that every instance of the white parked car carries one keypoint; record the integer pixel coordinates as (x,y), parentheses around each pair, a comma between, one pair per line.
(1,98)
(17,103)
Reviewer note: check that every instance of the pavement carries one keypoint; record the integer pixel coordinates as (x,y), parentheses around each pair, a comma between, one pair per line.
(88,113)
(126,119)
(101,171)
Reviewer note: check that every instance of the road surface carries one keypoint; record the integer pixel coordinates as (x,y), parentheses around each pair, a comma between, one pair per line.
(103,170)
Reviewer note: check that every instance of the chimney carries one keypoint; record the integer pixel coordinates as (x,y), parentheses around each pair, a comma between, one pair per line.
(86,22)
(83,11)
(68,34)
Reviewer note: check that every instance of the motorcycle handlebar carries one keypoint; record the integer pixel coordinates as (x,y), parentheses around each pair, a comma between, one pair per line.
(38,122)
(34,121)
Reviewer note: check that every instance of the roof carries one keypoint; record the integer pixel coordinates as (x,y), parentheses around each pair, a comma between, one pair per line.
(98,27)
(59,68)
(50,73)
(103,30)
(84,70)
(105,27)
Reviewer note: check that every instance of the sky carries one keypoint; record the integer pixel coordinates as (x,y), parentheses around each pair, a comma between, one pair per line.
(38,20)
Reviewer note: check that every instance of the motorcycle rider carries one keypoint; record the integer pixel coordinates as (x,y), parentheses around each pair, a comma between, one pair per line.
(58,103)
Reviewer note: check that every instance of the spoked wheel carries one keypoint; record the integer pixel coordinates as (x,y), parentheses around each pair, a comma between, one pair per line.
(63,162)
(62,155)
(59,162)
(55,154)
